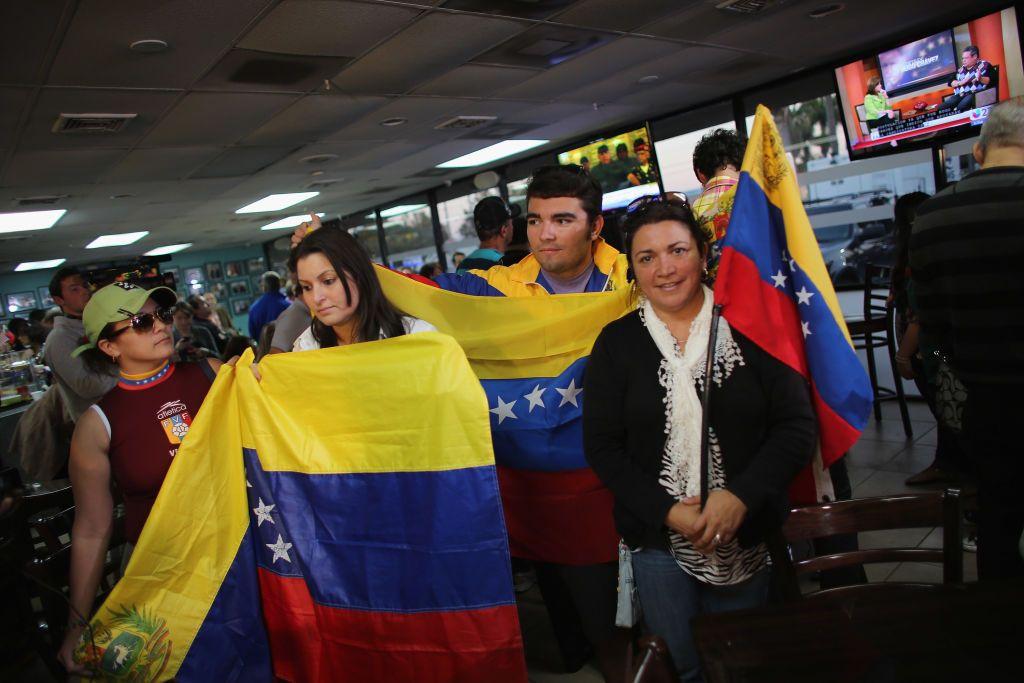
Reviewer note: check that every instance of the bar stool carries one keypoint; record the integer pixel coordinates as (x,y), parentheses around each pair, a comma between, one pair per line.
(877,330)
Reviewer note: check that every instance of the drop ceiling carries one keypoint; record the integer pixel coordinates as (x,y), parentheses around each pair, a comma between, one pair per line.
(247,90)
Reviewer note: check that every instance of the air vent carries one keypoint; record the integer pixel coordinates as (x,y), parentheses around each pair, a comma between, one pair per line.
(92,123)
(41,200)
(465,122)
(745,6)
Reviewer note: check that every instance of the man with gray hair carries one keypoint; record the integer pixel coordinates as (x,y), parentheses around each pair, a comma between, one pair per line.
(967,273)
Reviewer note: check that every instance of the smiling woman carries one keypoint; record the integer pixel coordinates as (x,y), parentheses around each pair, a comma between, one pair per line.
(130,437)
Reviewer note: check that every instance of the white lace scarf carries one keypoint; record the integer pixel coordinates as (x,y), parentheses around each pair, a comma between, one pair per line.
(680,373)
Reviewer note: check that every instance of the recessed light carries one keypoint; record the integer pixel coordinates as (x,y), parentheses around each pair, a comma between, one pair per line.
(118,240)
(148,45)
(648,80)
(39,265)
(289,222)
(169,249)
(318,158)
(316,173)
(276,202)
(826,10)
(494,152)
(400,209)
(394,121)
(29,220)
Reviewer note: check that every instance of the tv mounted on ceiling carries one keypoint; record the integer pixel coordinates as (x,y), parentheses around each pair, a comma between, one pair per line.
(623,164)
(930,90)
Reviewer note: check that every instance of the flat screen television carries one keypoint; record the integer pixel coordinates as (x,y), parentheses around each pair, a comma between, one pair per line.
(933,89)
(623,164)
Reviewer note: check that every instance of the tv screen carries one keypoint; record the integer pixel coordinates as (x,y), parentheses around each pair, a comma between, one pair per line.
(932,88)
(623,164)
(922,61)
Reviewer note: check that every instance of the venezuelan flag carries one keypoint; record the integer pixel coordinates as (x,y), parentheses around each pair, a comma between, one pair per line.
(775,289)
(530,354)
(349,532)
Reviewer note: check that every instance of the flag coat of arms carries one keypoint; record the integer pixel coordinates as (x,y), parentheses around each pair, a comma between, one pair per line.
(351,532)
(775,289)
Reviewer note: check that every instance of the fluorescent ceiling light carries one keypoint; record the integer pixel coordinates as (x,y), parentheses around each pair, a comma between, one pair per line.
(169,249)
(276,202)
(289,222)
(29,220)
(400,209)
(39,265)
(486,155)
(116,240)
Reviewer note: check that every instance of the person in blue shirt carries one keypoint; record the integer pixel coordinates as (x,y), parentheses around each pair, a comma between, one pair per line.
(270,305)
(492,218)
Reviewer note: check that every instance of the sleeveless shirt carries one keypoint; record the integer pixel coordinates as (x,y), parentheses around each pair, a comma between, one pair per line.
(147,420)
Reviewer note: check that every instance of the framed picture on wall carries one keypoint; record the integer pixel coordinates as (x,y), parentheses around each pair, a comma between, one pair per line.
(234,268)
(239,306)
(219,290)
(21,301)
(45,300)
(239,288)
(256,265)
(214,271)
(172,274)
(193,275)
(257,284)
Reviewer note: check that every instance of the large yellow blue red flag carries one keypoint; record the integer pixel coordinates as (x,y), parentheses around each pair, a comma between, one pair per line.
(339,520)
(530,354)
(775,289)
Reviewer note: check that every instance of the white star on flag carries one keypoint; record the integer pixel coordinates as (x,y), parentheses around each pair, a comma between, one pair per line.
(806,328)
(779,279)
(504,410)
(263,513)
(569,394)
(280,550)
(803,296)
(534,398)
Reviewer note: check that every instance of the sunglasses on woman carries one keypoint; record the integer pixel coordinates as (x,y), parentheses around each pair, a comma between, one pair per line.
(649,200)
(143,322)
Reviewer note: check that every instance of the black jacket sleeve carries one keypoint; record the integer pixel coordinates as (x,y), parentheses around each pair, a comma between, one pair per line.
(604,439)
(790,440)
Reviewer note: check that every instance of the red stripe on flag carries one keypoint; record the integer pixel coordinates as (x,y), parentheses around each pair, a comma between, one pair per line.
(312,642)
(561,517)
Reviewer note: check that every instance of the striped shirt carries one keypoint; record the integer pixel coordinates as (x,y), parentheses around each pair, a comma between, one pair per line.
(967,266)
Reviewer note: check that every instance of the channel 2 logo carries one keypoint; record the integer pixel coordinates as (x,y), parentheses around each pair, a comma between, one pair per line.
(979,115)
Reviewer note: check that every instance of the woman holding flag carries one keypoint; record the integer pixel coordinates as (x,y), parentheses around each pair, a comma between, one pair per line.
(642,426)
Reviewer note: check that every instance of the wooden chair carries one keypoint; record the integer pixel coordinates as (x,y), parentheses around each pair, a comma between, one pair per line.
(650,662)
(878,330)
(931,509)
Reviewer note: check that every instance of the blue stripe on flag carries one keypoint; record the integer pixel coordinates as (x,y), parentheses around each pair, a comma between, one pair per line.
(392,541)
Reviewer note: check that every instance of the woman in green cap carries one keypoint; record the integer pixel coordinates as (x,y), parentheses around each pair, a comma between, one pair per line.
(130,437)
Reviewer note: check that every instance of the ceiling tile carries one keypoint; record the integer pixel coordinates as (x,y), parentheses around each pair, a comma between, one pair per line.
(532,9)
(545,46)
(616,15)
(26,33)
(326,28)
(56,168)
(12,102)
(161,164)
(215,118)
(241,161)
(95,50)
(312,118)
(253,71)
(475,80)
(422,52)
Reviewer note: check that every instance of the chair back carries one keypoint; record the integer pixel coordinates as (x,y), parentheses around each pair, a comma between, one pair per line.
(905,511)
(650,662)
(876,292)
(989,95)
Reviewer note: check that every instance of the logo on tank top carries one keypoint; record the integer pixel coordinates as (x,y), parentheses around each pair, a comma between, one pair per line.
(175,420)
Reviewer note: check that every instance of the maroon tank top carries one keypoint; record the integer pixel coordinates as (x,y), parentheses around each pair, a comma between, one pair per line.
(148,419)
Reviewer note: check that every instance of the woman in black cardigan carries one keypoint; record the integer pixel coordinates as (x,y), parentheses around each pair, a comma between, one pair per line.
(641,432)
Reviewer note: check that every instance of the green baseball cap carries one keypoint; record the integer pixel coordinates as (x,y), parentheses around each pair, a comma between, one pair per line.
(116,302)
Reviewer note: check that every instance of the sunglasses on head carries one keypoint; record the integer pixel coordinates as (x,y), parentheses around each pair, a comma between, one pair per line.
(143,322)
(648,200)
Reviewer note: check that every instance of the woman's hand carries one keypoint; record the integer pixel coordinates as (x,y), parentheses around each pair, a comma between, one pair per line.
(66,654)
(718,522)
(682,516)
(304,229)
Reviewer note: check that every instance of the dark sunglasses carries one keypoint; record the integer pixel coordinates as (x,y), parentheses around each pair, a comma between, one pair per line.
(648,200)
(143,322)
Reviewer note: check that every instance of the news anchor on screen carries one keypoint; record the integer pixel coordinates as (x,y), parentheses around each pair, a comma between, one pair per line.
(876,103)
(973,76)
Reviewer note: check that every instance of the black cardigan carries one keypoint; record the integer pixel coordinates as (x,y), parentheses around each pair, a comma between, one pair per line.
(761,414)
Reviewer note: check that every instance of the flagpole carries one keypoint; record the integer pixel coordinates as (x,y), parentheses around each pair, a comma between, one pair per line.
(709,371)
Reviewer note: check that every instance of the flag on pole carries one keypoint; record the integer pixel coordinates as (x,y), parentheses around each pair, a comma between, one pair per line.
(776,290)
(339,520)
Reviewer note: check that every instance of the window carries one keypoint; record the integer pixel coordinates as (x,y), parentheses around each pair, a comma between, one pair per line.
(517,193)
(366,234)
(409,234)
(811,132)
(456,217)
(960,159)
(675,160)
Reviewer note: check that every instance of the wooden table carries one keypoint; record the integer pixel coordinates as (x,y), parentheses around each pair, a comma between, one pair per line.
(897,633)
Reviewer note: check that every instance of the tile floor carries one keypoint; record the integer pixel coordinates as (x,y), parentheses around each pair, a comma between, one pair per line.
(878,465)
